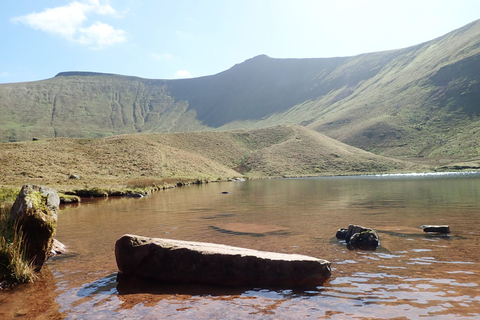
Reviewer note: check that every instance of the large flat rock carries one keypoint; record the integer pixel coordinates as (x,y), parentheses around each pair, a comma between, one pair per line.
(175,261)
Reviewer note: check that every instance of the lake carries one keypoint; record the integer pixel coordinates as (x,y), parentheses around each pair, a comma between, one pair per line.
(411,275)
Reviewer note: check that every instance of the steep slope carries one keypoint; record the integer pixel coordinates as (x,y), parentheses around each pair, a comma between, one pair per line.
(421,103)
(256,88)
(82,104)
(275,151)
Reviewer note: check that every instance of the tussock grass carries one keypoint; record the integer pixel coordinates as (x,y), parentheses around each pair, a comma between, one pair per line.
(14,265)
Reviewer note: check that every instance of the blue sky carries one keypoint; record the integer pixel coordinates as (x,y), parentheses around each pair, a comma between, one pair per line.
(184,38)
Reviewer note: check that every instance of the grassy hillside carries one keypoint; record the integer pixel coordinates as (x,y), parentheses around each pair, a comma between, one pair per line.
(421,101)
(90,105)
(275,151)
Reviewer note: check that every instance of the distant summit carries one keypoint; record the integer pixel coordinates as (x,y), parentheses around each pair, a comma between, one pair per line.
(82,73)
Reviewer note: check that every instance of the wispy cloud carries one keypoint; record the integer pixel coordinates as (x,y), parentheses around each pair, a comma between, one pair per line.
(72,23)
(182,74)
(164,56)
(4,74)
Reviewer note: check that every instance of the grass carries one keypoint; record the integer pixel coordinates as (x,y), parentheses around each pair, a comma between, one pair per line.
(148,162)
(14,266)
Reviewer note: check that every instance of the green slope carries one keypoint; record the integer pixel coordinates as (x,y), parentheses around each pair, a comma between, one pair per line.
(275,151)
(90,105)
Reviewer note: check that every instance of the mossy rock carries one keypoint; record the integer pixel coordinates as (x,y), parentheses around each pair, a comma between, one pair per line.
(34,214)
(67,198)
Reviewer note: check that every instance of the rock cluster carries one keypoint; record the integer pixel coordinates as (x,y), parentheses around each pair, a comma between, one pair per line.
(358,237)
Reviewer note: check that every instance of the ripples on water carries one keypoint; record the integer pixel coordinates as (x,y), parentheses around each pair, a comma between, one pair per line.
(411,275)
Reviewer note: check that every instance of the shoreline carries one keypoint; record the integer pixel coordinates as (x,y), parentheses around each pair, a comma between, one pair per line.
(71,193)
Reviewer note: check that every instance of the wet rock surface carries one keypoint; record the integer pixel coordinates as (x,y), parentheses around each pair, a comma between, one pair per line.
(174,261)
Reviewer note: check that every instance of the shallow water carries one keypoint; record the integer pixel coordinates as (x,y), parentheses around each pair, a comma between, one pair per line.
(411,275)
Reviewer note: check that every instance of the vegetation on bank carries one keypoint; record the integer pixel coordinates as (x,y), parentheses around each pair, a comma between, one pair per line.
(14,266)
(136,187)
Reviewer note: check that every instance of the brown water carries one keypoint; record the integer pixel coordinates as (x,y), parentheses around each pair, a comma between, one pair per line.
(411,275)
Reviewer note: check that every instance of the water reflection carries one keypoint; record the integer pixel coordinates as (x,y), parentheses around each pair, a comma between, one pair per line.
(411,275)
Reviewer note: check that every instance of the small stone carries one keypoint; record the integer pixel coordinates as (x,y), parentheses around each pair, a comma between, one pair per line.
(57,248)
(436,228)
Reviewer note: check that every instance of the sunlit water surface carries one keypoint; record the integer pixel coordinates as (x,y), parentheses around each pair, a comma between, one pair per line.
(411,275)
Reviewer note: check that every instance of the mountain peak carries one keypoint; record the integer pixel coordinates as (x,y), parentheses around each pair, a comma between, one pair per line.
(82,73)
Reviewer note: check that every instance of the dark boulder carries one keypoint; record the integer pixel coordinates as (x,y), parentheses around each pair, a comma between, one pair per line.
(436,228)
(358,237)
(174,261)
(34,213)
(366,240)
(342,234)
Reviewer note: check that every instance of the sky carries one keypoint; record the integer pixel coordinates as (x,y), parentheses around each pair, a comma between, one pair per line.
(170,39)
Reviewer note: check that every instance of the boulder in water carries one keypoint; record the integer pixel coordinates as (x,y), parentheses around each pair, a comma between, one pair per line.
(358,237)
(436,228)
(174,261)
(34,213)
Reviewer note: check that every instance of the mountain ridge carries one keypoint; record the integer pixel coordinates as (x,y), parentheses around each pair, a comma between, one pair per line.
(410,102)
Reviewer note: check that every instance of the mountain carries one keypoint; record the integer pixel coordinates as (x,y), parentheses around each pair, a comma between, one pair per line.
(274,151)
(421,101)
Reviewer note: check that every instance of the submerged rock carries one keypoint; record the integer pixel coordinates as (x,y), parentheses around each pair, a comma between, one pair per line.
(34,213)
(358,237)
(436,228)
(134,195)
(252,229)
(174,261)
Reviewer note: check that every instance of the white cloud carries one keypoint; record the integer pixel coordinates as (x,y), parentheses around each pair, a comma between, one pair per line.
(182,74)
(100,35)
(69,22)
(4,75)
